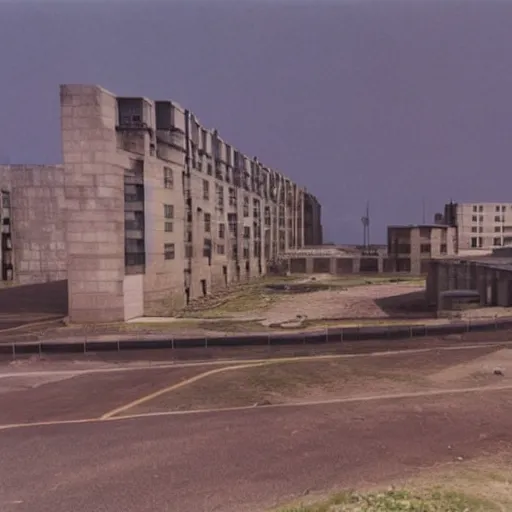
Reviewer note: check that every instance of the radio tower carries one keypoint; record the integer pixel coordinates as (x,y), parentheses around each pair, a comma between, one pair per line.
(365,219)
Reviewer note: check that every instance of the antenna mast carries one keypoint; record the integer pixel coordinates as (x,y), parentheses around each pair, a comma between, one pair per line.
(366,227)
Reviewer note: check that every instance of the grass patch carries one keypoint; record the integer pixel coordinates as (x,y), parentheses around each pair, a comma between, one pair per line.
(401,500)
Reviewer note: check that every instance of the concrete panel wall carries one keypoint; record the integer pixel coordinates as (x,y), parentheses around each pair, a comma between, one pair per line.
(133,296)
(94,193)
(321,265)
(37,222)
(344,265)
(298,265)
(164,288)
(369,265)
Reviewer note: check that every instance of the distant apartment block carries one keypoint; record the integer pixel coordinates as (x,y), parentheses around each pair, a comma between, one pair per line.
(479,226)
(410,248)
(148,210)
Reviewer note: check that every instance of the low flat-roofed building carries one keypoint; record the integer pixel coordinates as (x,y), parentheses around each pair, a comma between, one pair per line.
(410,248)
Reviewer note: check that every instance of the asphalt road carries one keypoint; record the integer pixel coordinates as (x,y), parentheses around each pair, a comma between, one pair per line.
(241,460)
(244,460)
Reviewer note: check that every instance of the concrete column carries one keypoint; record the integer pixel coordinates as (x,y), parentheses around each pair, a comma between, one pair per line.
(356,265)
(94,198)
(332,266)
(502,284)
(309,265)
(482,285)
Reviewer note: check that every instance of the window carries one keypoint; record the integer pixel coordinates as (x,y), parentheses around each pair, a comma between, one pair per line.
(207,248)
(497,218)
(474,229)
(168,178)
(443,249)
(6,199)
(425,248)
(481,229)
(474,242)
(222,230)
(480,208)
(247,232)
(496,241)
(188,251)
(169,251)
(219,192)
(480,241)
(232,196)
(220,249)
(207,222)
(497,229)
(206,190)
(474,218)
(168,227)
(209,169)
(204,136)
(481,218)
(475,208)
(168,211)
(503,208)
(498,208)
(246,206)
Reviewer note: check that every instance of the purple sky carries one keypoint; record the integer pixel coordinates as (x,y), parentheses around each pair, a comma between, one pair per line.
(389,101)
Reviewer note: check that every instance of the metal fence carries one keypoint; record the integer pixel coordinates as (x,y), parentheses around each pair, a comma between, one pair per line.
(328,335)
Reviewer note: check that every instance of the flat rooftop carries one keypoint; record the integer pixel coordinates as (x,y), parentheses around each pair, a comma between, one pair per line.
(411,226)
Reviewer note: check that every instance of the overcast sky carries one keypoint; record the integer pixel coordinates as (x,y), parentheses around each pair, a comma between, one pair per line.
(387,100)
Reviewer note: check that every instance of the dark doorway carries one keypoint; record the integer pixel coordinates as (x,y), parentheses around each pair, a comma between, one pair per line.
(238,272)
(203,287)
(247,268)
(225,274)
(187,296)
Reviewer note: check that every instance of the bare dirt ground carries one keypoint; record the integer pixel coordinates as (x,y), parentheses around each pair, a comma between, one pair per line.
(338,378)
(255,308)
(353,303)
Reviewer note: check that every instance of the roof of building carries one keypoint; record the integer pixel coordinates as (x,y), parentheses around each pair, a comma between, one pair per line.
(412,226)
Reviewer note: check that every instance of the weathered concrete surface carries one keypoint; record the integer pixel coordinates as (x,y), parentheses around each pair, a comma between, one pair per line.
(241,461)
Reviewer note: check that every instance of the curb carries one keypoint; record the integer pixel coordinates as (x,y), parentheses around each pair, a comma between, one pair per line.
(338,335)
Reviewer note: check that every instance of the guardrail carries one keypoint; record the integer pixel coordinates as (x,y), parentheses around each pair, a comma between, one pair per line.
(328,335)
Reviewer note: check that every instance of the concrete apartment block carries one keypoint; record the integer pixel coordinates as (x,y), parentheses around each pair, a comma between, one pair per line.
(184,212)
(148,211)
(480,226)
(410,248)
(32,223)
